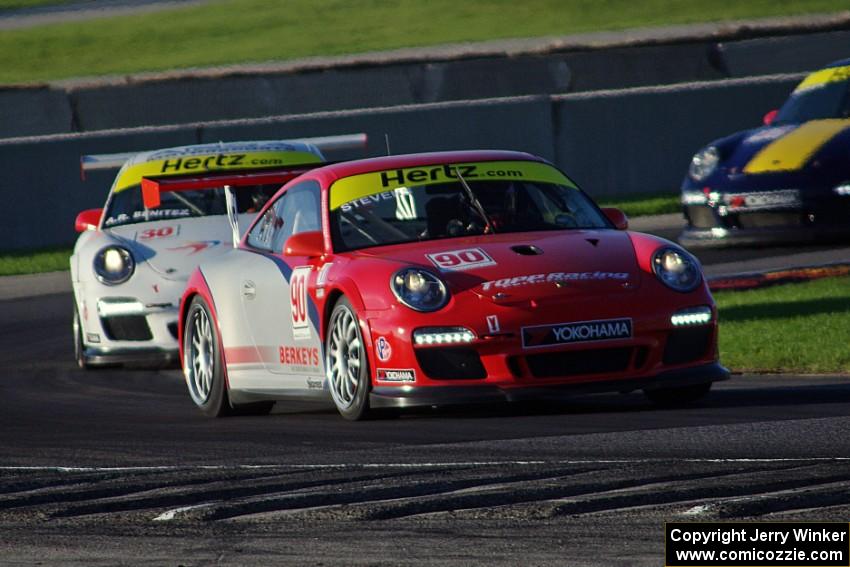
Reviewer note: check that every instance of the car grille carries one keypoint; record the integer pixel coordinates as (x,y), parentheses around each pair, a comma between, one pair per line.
(451,363)
(764,220)
(599,361)
(701,216)
(687,345)
(126,328)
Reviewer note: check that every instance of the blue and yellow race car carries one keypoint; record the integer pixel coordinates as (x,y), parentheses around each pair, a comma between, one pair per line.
(787,181)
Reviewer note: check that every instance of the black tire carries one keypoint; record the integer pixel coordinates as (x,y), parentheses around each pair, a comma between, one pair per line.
(346,363)
(203,366)
(684,395)
(79,348)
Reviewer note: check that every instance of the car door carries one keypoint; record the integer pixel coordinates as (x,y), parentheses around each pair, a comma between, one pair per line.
(275,295)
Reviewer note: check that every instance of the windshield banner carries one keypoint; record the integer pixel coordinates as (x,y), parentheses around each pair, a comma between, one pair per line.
(375,184)
(132,175)
(824,77)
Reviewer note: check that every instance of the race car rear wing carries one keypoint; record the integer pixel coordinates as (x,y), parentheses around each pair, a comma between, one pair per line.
(153,187)
(97,162)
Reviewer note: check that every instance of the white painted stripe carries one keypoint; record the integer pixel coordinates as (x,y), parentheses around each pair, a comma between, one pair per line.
(168,468)
(169,515)
(697,510)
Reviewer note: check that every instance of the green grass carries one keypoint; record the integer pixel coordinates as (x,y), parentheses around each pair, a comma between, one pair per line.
(48,260)
(16,4)
(238,31)
(646,204)
(789,328)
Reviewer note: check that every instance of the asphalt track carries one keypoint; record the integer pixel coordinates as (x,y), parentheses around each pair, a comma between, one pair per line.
(117,467)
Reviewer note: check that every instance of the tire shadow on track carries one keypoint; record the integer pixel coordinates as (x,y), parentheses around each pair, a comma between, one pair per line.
(740,396)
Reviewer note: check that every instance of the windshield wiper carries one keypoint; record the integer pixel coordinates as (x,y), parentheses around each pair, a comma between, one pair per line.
(475,202)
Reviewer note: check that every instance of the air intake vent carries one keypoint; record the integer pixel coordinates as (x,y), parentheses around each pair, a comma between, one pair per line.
(527,249)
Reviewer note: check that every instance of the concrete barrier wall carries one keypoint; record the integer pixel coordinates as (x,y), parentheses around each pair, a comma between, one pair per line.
(611,142)
(642,140)
(34,111)
(41,186)
(43,173)
(524,67)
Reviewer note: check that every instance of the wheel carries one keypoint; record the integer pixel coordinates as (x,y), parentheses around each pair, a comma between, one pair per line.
(79,347)
(346,364)
(678,396)
(203,366)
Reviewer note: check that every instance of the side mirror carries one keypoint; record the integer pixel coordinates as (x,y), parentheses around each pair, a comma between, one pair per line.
(770,117)
(617,217)
(88,220)
(310,244)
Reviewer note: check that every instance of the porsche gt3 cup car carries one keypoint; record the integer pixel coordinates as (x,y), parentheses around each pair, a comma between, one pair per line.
(786,181)
(443,278)
(132,260)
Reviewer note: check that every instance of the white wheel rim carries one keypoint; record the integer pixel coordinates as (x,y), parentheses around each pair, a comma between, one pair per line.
(199,356)
(344,358)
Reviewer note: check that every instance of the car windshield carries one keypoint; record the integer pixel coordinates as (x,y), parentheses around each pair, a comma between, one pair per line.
(126,206)
(448,209)
(827,101)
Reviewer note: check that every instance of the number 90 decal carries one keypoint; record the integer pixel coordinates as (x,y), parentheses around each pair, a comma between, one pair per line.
(298,302)
(465,259)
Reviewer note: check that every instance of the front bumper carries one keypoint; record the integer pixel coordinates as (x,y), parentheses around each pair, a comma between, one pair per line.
(413,396)
(719,236)
(145,336)
(142,355)
(745,213)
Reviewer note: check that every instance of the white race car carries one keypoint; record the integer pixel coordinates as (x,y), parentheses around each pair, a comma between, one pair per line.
(134,256)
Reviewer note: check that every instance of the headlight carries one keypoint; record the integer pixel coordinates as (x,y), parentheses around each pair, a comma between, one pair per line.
(114,265)
(704,163)
(419,289)
(677,269)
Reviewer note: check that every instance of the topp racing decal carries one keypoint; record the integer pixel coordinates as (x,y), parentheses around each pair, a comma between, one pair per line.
(582,331)
(554,277)
(456,260)
(396,375)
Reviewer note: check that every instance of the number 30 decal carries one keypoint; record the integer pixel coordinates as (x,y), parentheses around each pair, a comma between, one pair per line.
(461,259)
(298,302)
(152,233)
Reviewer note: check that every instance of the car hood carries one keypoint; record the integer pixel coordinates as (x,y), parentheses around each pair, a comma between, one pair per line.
(787,147)
(174,248)
(525,266)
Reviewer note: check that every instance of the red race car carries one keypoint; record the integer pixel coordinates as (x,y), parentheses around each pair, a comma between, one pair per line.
(442,278)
